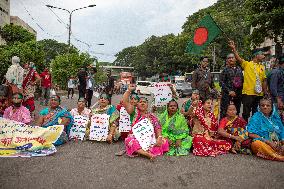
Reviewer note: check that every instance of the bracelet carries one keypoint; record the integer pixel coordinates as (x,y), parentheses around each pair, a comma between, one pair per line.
(230,136)
(160,137)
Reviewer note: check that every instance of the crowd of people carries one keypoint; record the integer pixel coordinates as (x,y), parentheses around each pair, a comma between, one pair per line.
(196,126)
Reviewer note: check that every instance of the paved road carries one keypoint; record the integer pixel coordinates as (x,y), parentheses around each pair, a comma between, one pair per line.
(94,165)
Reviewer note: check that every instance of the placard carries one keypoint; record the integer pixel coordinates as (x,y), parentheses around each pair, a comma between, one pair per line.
(162,93)
(21,140)
(78,129)
(124,121)
(99,127)
(144,133)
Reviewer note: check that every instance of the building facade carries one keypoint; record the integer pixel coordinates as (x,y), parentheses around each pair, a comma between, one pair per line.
(15,20)
(4,15)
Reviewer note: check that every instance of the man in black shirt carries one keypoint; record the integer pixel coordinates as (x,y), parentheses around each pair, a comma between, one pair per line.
(110,85)
(82,74)
(231,82)
(202,79)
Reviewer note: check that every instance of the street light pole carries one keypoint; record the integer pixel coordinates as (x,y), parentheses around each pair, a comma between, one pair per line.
(70,18)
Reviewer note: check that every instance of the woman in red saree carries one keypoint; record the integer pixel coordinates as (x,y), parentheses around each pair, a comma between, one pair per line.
(233,129)
(31,77)
(204,131)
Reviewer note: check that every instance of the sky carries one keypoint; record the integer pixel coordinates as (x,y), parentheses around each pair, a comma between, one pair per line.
(115,23)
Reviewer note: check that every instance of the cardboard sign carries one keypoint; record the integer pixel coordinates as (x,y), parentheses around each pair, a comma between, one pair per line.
(99,127)
(162,93)
(21,140)
(124,121)
(78,129)
(144,133)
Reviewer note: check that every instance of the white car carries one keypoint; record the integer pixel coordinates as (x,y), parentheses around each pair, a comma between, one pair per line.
(144,87)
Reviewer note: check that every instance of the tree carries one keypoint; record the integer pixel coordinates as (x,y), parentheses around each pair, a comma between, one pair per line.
(267,19)
(12,34)
(64,66)
(53,48)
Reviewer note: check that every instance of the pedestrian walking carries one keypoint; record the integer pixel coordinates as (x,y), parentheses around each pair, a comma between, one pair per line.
(202,79)
(46,84)
(254,86)
(90,84)
(231,82)
(71,86)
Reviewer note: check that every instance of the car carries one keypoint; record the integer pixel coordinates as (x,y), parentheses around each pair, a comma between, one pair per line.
(184,89)
(144,87)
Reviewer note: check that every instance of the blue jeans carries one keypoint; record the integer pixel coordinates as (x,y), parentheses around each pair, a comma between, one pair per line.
(45,94)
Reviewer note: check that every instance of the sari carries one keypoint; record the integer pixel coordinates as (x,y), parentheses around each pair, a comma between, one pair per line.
(55,118)
(269,129)
(132,145)
(113,119)
(205,139)
(29,89)
(175,128)
(237,127)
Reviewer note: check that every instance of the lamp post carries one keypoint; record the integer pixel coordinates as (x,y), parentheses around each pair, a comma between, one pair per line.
(70,17)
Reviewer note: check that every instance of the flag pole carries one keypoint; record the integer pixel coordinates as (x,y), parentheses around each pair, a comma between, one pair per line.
(226,36)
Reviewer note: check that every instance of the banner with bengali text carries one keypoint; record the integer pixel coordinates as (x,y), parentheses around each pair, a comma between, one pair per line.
(21,140)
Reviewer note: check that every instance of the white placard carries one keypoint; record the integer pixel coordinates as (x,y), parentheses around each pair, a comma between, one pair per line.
(78,129)
(162,93)
(99,127)
(124,121)
(144,133)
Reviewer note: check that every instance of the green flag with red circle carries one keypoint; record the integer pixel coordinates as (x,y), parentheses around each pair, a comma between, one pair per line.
(206,32)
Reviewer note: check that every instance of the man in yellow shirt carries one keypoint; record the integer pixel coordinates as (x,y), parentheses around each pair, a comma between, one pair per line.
(255,85)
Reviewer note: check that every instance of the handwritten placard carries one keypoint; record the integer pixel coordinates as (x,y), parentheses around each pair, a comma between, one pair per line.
(144,133)
(162,93)
(99,127)
(78,129)
(124,121)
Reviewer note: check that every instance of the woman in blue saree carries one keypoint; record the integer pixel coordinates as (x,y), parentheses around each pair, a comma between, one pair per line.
(56,115)
(267,131)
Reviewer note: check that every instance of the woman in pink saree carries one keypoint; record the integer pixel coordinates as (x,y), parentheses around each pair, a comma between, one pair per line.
(132,145)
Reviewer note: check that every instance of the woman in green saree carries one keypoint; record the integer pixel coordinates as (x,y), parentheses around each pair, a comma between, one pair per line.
(175,129)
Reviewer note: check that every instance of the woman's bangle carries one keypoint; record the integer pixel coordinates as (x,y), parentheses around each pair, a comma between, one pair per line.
(160,137)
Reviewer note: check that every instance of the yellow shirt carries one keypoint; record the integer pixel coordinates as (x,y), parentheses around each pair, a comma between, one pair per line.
(250,77)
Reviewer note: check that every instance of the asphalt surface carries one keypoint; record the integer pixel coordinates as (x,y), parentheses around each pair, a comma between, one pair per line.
(94,165)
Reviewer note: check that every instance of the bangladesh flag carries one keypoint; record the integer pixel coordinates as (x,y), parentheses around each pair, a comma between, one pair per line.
(206,32)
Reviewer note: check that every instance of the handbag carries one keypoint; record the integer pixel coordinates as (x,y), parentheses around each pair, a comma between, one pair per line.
(257,87)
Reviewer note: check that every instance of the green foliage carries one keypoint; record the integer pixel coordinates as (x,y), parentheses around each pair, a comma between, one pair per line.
(53,48)
(12,34)
(67,65)
(267,19)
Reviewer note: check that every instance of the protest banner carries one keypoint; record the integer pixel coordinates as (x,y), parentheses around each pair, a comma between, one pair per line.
(21,140)
(162,93)
(144,133)
(78,129)
(124,121)
(99,127)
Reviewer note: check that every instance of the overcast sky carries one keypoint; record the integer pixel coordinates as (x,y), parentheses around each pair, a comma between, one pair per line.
(116,23)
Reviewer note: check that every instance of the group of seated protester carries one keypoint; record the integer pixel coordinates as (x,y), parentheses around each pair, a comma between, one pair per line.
(175,131)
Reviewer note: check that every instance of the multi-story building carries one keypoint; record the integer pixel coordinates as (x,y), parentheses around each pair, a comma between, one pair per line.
(4,15)
(15,20)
